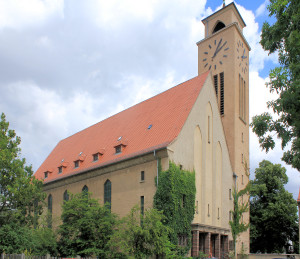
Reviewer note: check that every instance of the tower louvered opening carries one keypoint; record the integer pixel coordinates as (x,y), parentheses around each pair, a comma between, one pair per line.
(222,93)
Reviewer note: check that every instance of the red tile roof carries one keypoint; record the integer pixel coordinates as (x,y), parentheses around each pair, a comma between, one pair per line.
(166,112)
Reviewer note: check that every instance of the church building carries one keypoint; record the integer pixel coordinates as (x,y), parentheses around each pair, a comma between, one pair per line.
(201,124)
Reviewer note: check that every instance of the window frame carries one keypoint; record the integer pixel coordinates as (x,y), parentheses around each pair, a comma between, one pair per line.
(76,164)
(96,155)
(107,193)
(142,176)
(66,196)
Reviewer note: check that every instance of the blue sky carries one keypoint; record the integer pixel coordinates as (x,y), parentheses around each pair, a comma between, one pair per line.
(66,65)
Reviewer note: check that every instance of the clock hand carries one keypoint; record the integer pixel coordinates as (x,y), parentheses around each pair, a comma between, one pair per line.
(243,57)
(222,46)
(217,49)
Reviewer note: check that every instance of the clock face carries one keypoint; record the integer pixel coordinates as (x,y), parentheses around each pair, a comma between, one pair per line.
(241,56)
(215,54)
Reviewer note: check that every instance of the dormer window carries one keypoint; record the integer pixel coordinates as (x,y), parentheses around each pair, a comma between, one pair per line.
(95,157)
(62,165)
(98,154)
(118,149)
(47,173)
(79,159)
(120,145)
(76,164)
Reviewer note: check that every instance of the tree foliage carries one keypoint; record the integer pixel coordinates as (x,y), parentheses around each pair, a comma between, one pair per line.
(240,206)
(142,236)
(175,196)
(21,194)
(282,37)
(86,227)
(273,216)
(237,224)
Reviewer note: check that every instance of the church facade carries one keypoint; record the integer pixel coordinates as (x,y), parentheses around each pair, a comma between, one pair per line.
(201,125)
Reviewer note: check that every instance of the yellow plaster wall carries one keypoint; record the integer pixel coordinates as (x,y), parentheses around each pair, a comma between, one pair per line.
(198,173)
(186,152)
(127,187)
(236,129)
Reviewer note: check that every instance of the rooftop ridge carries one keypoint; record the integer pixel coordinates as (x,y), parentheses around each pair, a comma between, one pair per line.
(148,99)
(156,120)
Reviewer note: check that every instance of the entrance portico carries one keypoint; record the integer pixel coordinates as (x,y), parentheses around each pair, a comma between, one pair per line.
(212,241)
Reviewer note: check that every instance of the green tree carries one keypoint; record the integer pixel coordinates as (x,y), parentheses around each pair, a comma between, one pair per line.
(86,227)
(142,235)
(21,195)
(237,224)
(283,37)
(175,196)
(16,239)
(273,216)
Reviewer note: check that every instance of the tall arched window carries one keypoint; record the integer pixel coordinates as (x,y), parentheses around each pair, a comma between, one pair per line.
(66,195)
(36,213)
(107,193)
(85,189)
(50,211)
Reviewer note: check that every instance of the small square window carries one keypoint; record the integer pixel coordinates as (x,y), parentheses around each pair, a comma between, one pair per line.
(96,157)
(118,149)
(142,176)
(60,170)
(46,175)
(76,164)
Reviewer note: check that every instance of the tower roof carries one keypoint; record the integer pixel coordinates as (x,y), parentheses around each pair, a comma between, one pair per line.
(231,5)
(150,125)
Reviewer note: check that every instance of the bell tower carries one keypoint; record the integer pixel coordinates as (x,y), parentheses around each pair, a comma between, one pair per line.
(225,52)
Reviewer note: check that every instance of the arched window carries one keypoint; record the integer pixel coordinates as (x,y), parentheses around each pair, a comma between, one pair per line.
(85,189)
(218,27)
(50,211)
(36,212)
(66,195)
(107,193)
(50,203)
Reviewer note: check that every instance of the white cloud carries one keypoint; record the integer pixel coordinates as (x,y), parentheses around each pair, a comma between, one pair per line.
(44,41)
(258,56)
(110,13)
(68,64)
(262,9)
(42,117)
(20,14)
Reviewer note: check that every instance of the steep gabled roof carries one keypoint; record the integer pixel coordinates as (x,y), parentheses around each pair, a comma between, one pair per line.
(142,128)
